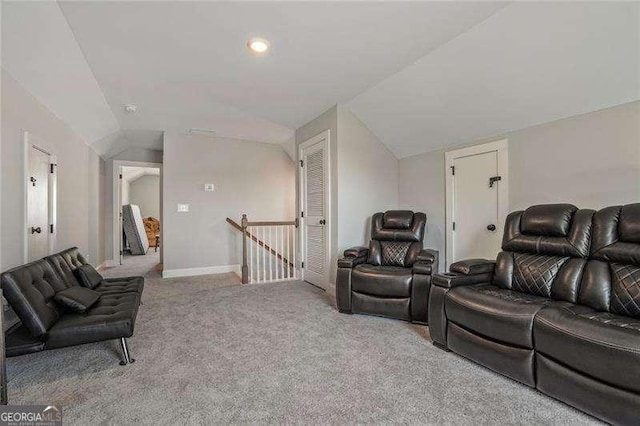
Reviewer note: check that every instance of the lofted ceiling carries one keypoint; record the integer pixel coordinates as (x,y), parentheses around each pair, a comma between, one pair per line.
(528,64)
(40,52)
(185,64)
(421,75)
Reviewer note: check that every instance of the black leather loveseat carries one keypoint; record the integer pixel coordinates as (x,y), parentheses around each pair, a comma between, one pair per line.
(392,277)
(559,310)
(62,301)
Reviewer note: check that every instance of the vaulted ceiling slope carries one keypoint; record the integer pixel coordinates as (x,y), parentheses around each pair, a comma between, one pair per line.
(421,75)
(185,64)
(528,64)
(41,53)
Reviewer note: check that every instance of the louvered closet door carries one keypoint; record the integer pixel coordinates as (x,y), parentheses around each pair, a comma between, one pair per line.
(314,183)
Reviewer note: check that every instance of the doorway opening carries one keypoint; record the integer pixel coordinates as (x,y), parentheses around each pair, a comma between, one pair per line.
(137,217)
(476,182)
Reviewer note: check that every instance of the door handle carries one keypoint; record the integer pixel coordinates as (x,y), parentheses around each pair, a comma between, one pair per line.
(36,230)
(323,222)
(491,227)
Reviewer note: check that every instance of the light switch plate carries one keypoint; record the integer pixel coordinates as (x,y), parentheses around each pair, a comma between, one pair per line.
(209,187)
(182,208)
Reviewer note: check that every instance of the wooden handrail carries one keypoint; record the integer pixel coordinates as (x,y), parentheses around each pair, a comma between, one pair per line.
(281,223)
(261,243)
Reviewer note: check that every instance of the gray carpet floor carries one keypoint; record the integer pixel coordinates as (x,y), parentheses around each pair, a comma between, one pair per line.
(211,351)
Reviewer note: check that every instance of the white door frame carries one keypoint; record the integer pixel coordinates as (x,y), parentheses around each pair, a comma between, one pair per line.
(502,148)
(28,142)
(327,195)
(117,229)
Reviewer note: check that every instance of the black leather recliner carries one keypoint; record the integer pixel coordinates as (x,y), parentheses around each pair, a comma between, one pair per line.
(45,324)
(392,277)
(559,310)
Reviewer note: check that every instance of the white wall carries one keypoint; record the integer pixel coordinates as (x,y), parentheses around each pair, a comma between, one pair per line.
(145,193)
(249,177)
(364,177)
(591,160)
(79,202)
(367,180)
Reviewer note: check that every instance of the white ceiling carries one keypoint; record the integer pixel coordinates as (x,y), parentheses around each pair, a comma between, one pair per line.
(421,75)
(41,53)
(185,64)
(528,64)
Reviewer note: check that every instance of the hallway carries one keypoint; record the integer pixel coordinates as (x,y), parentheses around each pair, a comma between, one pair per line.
(147,265)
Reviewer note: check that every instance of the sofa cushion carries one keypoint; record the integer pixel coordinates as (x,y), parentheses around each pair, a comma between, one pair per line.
(394,252)
(394,225)
(77,299)
(552,229)
(602,345)
(88,276)
(62,268)
(121,285)
(30,289)
(499,314)
(384,281)
(112,317)
(553,220)
(397,219)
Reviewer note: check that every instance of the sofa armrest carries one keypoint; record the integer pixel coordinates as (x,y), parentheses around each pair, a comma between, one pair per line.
(353,256)
(356,252)
(426,262)
(473,266)
(466,272)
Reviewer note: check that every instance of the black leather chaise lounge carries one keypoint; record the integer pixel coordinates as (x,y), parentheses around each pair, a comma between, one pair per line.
(392,277)
(559,310)
(62,301)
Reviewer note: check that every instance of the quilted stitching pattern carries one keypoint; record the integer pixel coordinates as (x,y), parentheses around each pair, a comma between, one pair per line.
(394,252)
(511,296)
(625,290)
(612,319)
(534,273)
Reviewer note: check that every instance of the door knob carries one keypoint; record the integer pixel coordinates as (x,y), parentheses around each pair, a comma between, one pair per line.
(491,227)
(36,230)
(322,221)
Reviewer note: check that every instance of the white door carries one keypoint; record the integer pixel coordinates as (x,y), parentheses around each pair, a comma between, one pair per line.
(476,201)
(38,205)
(314,156)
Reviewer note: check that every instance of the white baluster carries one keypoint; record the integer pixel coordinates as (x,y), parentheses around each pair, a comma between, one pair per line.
(264,254)
(270,257)
(250,254)
(288,254)
(281,244)
(278,262)
(295,249)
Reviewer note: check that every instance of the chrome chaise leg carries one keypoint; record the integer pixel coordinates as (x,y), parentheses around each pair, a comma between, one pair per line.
(125,352)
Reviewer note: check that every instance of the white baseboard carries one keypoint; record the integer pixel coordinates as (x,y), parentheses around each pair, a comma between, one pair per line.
(189,272)
(107,264)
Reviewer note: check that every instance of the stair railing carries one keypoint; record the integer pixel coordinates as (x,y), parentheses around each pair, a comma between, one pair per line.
(268,250)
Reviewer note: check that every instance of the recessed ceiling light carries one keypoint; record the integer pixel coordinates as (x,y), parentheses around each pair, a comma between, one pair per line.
(258,45)
(130,108)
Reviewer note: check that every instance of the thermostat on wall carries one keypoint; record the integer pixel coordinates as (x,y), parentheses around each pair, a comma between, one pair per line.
(209,187)
(183,208)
